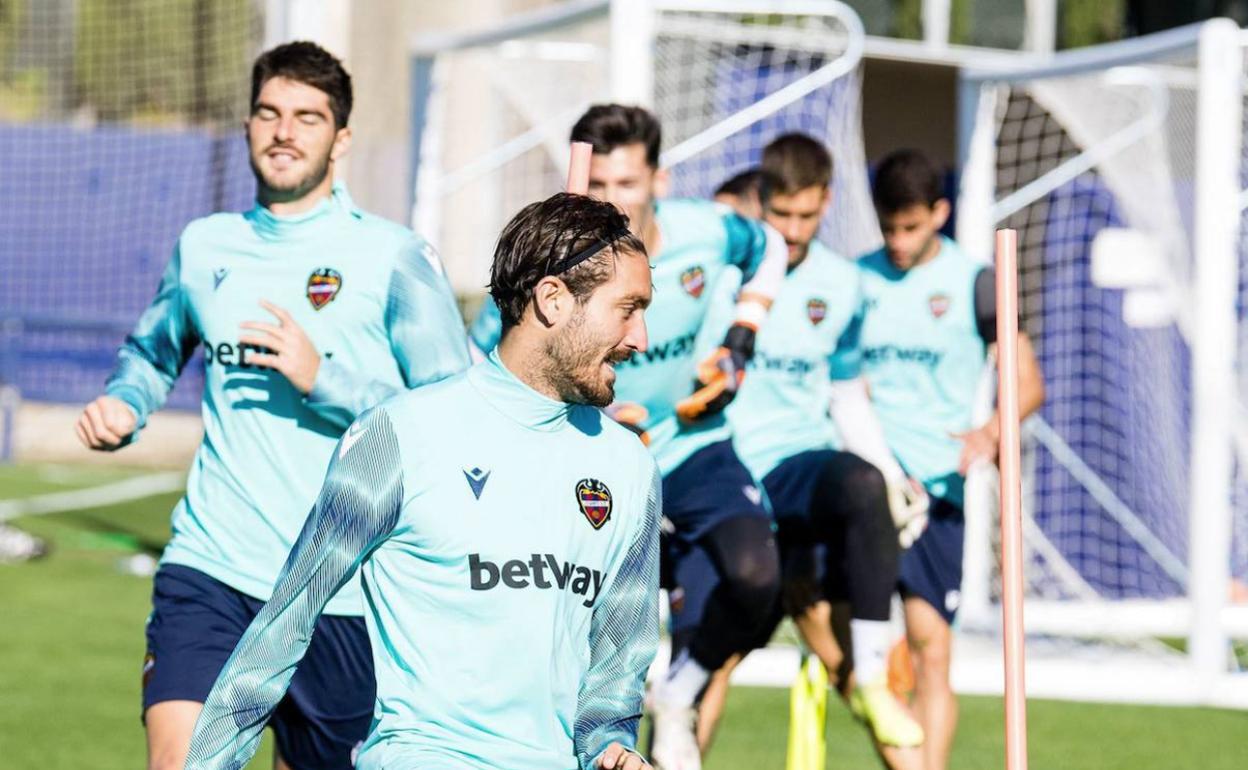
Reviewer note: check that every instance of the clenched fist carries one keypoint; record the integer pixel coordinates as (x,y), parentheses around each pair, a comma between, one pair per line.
(105,424)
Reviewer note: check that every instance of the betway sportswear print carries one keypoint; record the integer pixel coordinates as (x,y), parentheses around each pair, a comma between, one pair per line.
(508,545)
(700,239)
(372,299)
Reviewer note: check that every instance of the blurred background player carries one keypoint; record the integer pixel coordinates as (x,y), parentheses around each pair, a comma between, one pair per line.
(513,581)
(708,496)
(931,315)
(742,193)
(800,403)
(359,311)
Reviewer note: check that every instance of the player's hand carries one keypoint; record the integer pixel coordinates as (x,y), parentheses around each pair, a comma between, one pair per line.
(105,424)
(978,445)
(719,376)
(631,416)
(909,503)
(616,757)
(293,354)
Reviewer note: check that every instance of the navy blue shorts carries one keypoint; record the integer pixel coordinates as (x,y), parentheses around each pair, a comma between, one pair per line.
(931,569)
(710,486)
(790,488)
(195,624)
(791,484)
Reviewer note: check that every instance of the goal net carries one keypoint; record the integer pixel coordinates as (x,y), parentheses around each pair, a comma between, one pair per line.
(115,130)
(494,109)
(1099,160)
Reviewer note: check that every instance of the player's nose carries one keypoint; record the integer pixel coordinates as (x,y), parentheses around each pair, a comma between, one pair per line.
(636,337)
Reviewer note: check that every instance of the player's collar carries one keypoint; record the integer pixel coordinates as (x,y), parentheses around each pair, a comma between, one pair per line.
(274,226)
(515,399)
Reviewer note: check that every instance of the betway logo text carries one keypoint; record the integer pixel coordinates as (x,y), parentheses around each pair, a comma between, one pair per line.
(661,351)
(540,571)
(237,354)
(924,356)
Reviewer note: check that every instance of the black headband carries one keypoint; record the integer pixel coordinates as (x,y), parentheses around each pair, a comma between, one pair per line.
(567,263)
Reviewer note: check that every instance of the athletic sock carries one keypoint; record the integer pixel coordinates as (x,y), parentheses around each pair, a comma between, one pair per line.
(871,640)
(684,681)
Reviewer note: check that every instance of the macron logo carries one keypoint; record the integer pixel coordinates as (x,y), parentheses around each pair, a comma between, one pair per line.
(476,480)
(353,434)
(218,276)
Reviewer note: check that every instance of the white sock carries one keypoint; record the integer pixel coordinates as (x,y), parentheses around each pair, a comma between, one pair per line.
(871,640)
(685,679)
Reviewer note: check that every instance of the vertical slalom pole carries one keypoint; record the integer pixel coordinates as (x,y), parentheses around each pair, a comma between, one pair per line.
(1011,499)
(578,168)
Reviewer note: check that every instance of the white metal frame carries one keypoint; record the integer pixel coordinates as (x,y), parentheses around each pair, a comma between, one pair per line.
(1209,326)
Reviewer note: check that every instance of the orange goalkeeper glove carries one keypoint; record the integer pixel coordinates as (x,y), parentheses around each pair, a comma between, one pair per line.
(720,375)
(631,416)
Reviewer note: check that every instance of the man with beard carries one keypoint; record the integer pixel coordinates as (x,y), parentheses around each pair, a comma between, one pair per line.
(360,311)
(505,528)
(676,406)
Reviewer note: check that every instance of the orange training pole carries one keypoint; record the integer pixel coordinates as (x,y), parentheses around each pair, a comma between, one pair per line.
(1011,499)
(578,169)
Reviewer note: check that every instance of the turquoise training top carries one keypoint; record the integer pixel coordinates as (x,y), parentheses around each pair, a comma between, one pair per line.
(372,299)
(509,550)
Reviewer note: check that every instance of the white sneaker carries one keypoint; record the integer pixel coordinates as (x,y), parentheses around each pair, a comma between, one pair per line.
(673,743)
(17,546)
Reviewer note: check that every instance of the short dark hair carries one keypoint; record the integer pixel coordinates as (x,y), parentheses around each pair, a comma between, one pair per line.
(793,162)
(906,178)
(607,126)
(546,233)
(311,65)
(745,183)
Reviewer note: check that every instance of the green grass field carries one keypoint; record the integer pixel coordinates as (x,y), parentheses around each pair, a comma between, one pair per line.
(72,645)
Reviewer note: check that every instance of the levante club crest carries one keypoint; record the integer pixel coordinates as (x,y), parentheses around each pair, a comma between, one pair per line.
(939,304)
(595,501)
(323,285)
(816,310)
(693,281)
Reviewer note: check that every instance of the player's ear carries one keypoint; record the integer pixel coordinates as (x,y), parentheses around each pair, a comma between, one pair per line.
(827,201)
(662,183)
(940,213)
(342,143)
(552,302)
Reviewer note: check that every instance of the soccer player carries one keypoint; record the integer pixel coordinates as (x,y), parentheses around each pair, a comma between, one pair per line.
(308,311)
(742,193)
(506,530)
(803,424)
(931,315)
(709,497)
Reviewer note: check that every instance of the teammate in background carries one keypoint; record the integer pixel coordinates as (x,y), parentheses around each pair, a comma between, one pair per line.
(359,311)
(742,193)
(512,582)
(931,315)
(839,513)
(709,497)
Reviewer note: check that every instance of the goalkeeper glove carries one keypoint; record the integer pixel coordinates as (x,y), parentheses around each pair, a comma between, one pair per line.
(631,416)
(908,502)
(720,375)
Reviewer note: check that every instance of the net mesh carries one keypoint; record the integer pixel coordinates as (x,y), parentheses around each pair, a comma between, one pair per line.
(118,124)
(1108,459)
(710,67)
(511,132)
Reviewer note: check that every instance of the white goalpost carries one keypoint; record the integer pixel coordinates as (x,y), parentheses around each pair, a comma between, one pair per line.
(1120,167)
